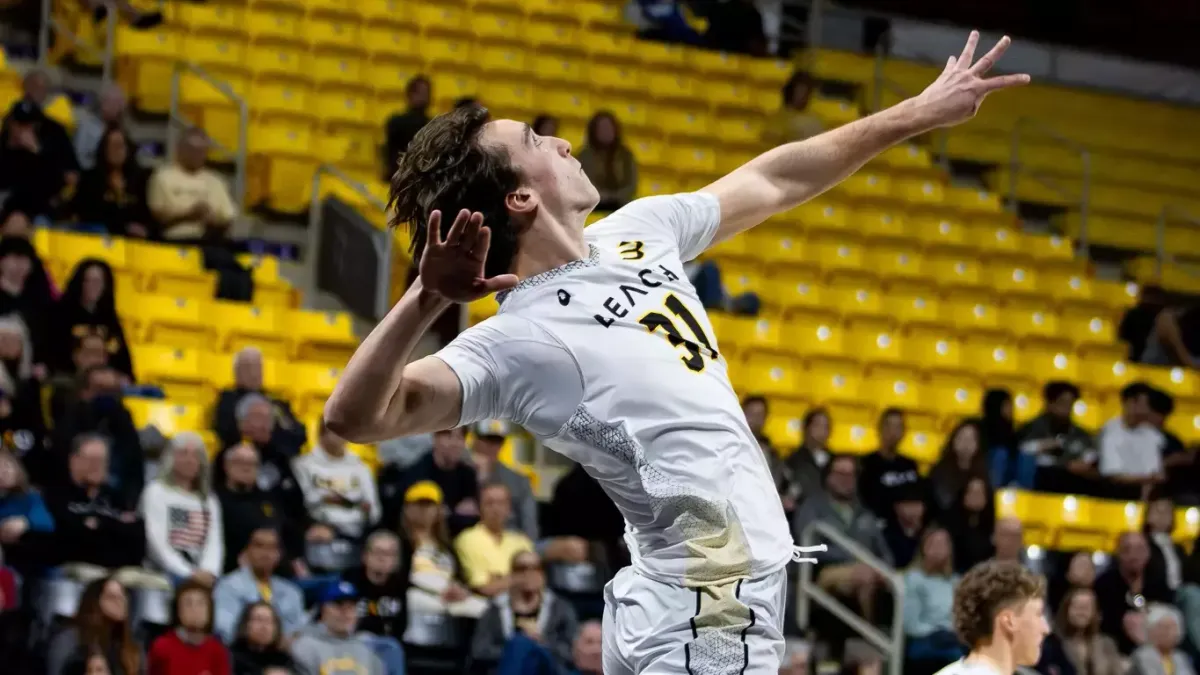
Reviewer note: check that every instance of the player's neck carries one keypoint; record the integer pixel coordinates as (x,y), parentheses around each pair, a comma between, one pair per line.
(997,656)
(548,244)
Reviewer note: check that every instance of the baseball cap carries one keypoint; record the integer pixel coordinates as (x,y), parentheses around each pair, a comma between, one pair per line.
(423,491)
(339,591)
(491,429)
(24,112)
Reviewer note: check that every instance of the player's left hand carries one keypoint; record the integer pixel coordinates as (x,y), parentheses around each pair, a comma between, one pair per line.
(454,267)
(954,97)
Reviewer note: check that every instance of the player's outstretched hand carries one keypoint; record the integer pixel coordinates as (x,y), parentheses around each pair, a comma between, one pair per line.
(453,268)
(954,97)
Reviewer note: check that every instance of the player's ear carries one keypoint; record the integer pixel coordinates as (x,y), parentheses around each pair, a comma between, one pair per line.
(522,201)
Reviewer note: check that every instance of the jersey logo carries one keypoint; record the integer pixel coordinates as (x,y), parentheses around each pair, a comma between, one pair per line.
(564,298)
(696,348)
(632,250)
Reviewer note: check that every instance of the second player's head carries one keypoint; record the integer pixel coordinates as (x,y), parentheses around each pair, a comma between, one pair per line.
(522,183)
(1002,604)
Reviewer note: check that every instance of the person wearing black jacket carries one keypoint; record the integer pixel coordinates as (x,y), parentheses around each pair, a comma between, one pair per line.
(1126,588)
(445,465)
(886,472)
(22,426)
(87,308)
(247,507)
(287,433)
(37,164)
(256,422)
(99,409)
(576,493)
(382,585)
(400,128)
(113,193)
(258,647)
(92,524)
(25,290)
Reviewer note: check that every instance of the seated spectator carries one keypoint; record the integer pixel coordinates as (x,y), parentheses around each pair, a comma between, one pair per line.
(1124,589)
(1077,646)
(608,162)
(487,549)
(795,657)
(287,434)
(972,524)
(339,490)
(705,277)
(26,526)
(998,438)
(1160,655)
(545,125)
(488,441)
(189,648)
(961,460)
(1137,323)
(256,581)
(21,418)
(401,128)
(332,640)
(1175,339)
(101,621)
(779,473)
(446,466)
(260,645)
(256,422)
(91,126)
(794,121)
(184,535)
(602,533)
(733,26)
(88,307)
(903,532)
(928,601)
(382,583)
(1166,557)
(1055,452)
(94,524)
(190,201)
(113,193)
(246,508)
(664,20)
(1179,461)
(37,167)
(427,552)
(23,293)
(90,352)
(839,572)
(88,661)
(1130,447)
(1008,541)
(886,472)
(587,650)
(808,462)
(1079,574)
(525,625)
(99,409)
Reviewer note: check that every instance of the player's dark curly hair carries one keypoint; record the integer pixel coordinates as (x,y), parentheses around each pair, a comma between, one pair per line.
(448,168)
(986,590)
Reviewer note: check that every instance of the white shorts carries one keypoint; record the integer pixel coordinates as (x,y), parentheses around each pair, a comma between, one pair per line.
(652,628)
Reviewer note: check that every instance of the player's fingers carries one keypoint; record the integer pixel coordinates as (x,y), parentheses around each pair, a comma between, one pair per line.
(470,236)
(1004,82)
(985,64)
(500,282)
(433,230)
(949,65)
(968,52)
(455,235)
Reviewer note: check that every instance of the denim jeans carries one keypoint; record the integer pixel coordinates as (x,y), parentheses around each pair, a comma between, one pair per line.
(1010,466)
(522,656)
(389,650)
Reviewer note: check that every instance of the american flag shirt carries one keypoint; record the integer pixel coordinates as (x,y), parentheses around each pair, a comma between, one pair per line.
(187,530)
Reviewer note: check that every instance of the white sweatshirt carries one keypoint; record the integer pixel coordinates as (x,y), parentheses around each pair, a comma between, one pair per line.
(321,475)
(183,532)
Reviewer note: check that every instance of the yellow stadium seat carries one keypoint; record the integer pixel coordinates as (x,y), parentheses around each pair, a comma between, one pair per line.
(832,383)
(996,240)
(821,215)
(496,26)
(278,137)
(503,60)
(743,332)
(509,94)
(873,344)
(1079,524)
(834,251)
(785,432)
(168,417)
(557,68)
(854,438)
(970,199)
(1090,413)
(1185,421)
(449,85)
(938,231)
(896,260)
(1025,506)
(545,33)
(913,307)
(337,68)
(1049,363)
(919,192)
(67,249)
(273,25)
(209,17)
(1084,327)
(778,244)
(175,369)
(953,397)
(736,248)
(883,225)
(600,14)
(816,335)
(1187,525)
(146,64)
(854,295)
(866,184)
(564,103)
(771,375)
(243,325)
(922,445)
(551,10)
(283,98)
(971,312)
(168,320)
(391,41)
(684,121)
(794,288)
(217,368)
(1179,382)
(615,77)
(891,391)
(612,46)
(1013,279)
(440,18)
(672,86)
(693,159)
(448,51)
(742,278)
(331,8)
(326,32)
(933,348)
(1030,319)
(1106,374)
(219,51)
(481,309)
(310,386)
(376,12)
(324,337)
(733,96)
(957,270)
(991,356)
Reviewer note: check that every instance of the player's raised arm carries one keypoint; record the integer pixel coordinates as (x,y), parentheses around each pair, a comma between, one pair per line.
(791,174)
(380,394)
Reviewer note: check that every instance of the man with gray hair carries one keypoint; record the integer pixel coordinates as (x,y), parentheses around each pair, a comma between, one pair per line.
(1160,653)
(287,433)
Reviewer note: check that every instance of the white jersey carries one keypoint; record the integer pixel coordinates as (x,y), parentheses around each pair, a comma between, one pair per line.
(611,361)
(961,667)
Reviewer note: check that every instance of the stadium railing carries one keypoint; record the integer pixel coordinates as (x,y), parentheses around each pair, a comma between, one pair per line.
(178,119)
(56,26)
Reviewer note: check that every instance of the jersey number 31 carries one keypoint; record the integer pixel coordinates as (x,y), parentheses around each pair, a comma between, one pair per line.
(697,348)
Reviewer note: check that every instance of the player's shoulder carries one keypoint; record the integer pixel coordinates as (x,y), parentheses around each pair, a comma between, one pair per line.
(962,667)
(659,213)
(509,326)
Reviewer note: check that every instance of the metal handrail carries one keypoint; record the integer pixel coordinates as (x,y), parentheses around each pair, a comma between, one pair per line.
(1028,126)
(176,118)
(807,591)
(1161,256)
(49,23)
(940,139)
(315,224)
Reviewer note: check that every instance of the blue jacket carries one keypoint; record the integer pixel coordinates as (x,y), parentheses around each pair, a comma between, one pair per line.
(928,602)
(29,506)
(238,589)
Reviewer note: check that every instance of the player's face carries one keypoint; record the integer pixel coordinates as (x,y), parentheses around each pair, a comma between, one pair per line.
(1029,628)
(552,179)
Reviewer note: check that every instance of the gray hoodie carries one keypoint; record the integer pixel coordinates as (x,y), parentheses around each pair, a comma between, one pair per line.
(317,652)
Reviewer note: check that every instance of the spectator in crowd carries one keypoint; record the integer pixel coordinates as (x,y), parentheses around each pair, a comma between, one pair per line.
(1137,323)
(90,352)
(1080,572)
(37,166)
(190,201)
(184,536)
(99,409)
(885,472)
(1077,647)
(189,648)
(780,474)
(94,524)
(22,292)
(288,434)
(331,646)
(608,162)
(88,307)
(382,584)
(903,531)
(113,192)
(972,524)
(401,128)
(487,549)
(602,532)
(1166,557)
(960,461)
(92,127)
(1160,655)
(587,650)
(733,26)
(1179,463)
(339,490)
(839,572)
(1008,541)
(545,125)
(528,620)
(101,621)
(928,600)
(446,466)
(137,18)
(256,581)
(794,121)
(664,20)
(246,508)
(795,657)
(488,441)
(256,422)
(754,407)
(1175,339)
(1124,589)
(88,661)
(259,645)
(26,526)
(1130,447)
(998,437)
(1054,452)
(427,553)
(808,462)
(21,417)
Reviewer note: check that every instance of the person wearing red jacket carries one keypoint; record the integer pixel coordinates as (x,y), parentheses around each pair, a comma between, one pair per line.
(190,648)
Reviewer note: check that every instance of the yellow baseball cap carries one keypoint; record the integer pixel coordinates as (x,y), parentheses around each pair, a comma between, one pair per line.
(423,491)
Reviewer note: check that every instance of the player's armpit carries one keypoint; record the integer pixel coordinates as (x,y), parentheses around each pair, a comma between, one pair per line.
(429,399)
